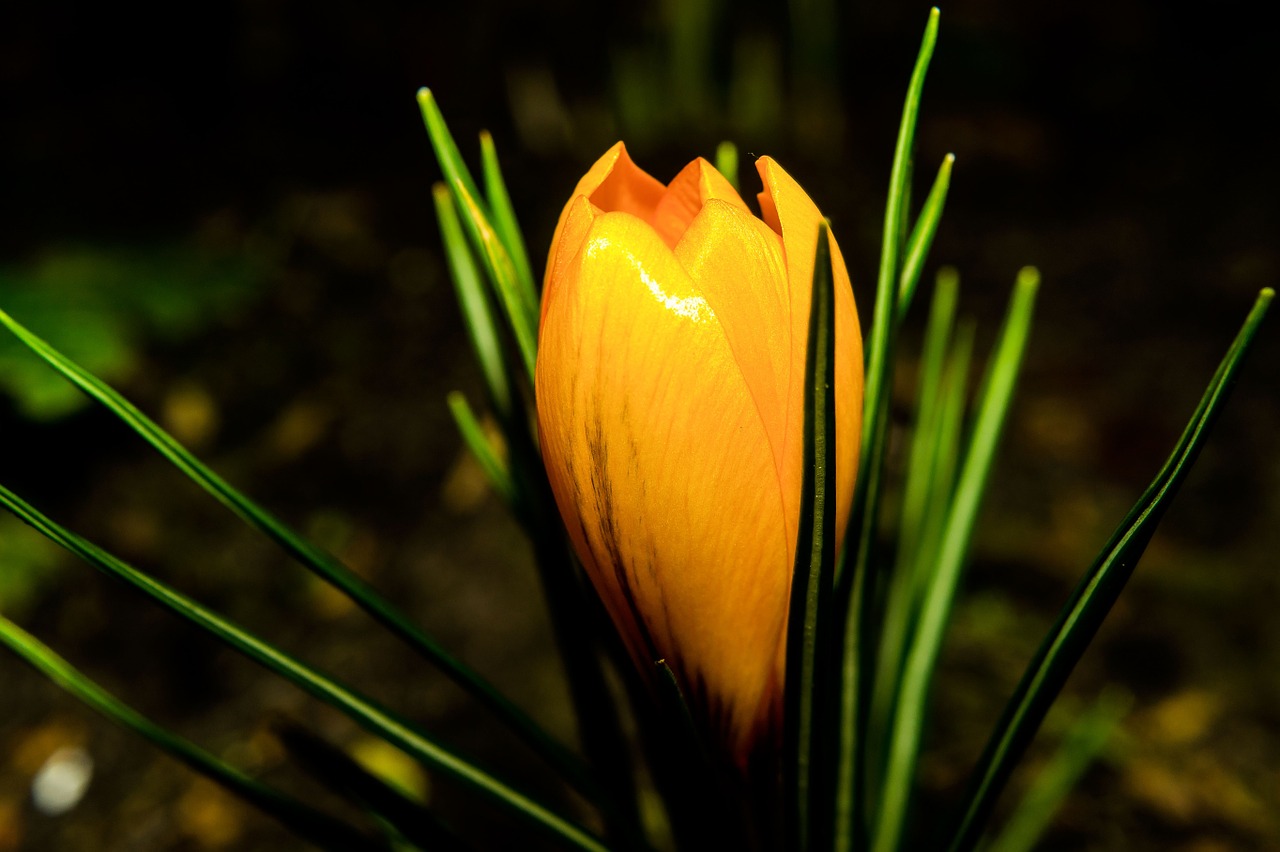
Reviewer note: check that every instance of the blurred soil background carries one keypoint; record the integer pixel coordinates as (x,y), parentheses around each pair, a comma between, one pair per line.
(224,208)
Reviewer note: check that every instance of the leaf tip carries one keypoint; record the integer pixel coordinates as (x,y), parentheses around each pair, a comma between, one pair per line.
(948,276)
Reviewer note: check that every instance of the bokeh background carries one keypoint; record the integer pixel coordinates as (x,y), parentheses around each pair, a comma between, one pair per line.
(224,209)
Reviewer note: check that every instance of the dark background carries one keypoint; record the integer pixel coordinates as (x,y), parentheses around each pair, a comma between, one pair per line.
(1124,148)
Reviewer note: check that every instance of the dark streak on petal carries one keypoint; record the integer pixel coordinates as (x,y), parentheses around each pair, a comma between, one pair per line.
(602,492)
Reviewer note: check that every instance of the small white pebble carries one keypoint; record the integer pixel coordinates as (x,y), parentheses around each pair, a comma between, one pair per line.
(62,781)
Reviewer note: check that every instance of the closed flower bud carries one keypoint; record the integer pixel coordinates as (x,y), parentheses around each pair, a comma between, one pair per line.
(670,400)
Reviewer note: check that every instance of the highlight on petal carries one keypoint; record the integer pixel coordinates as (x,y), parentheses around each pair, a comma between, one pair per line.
(613,183)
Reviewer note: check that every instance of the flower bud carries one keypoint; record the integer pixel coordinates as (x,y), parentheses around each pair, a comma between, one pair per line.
(670,399)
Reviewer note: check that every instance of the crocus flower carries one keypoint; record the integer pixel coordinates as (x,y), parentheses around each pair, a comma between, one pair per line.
(670,368)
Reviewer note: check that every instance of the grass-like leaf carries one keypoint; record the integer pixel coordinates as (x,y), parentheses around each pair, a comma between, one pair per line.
(495,470)
(306,822)
(313,558)
(473,299)
(922,234)
(945,466)
(806,762)
(597,718)
(504,218)
(1092,599)
(854,586)
(1087,738)
(879,355)
(572,609)
(926,494)
(519,306)
(922,655)
(727,162)
(672,699)
(363,711)
(920,494)
(341,773)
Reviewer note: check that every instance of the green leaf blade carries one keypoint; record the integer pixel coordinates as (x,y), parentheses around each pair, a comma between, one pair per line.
(373,718)
(341,773)
(727,162)
(921,661)
(319,828)
(807,767)
(1092,599)
(1082,745)
(922,234)
(926,494)
(311,557)
(506,224)
(495,470)
(477,313)
(485,239)
(855,587)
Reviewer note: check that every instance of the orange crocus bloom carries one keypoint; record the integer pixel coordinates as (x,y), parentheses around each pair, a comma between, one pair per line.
(670,368)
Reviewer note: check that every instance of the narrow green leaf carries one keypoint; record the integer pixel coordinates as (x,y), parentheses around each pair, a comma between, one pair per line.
(304,821)
(904,211)
(495,470)
(342,774)
(922,655)
(855,587)
(574,616)
(1092,599)
(946,463)
(314,559)
(677,708)
(919,496)
(360,709)
(922,461)
(521,315)
(880,351)
(922,235)
(505,222)
(598,723)
(919,574)
(1083,743)
(447,153)
(477,312)
(806,753)
(727,161)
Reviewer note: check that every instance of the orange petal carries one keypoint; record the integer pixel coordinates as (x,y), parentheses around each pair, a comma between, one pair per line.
(613,183)
(793,215)
(697,184)
(616,184)
(738,264)
(663,471)
(576,219)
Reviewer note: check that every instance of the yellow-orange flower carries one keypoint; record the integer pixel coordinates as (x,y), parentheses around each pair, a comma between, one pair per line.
(670,368)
